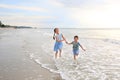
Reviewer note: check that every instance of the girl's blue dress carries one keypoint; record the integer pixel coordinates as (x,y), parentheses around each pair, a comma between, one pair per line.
(58,45)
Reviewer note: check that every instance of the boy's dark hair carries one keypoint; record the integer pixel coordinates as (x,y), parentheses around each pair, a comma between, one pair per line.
(76,37)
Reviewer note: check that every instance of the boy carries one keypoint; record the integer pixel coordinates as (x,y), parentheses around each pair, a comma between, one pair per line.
(76,45)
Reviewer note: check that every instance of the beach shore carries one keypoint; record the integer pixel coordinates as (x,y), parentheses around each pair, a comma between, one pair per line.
(27,54)
(15,63)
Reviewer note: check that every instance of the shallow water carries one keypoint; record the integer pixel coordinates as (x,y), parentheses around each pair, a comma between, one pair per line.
(101,61)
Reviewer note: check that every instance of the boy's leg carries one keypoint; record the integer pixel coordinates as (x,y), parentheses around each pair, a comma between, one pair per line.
(56,54)
(74,57)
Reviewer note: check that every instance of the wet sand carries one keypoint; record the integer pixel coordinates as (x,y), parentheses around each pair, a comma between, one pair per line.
(15,63)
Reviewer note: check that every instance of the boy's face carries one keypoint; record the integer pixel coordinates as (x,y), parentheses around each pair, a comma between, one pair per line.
(75,39)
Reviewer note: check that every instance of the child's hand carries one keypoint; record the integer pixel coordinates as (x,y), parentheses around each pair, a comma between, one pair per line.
(66,42)
(84,50)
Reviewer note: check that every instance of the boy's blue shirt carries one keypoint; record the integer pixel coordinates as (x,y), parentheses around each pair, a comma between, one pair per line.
(75,45)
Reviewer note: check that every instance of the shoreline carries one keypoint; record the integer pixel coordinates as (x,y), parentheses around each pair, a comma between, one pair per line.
(15,62)
(50,75)
(45,73)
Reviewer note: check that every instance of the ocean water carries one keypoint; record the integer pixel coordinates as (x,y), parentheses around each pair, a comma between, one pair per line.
(100,61)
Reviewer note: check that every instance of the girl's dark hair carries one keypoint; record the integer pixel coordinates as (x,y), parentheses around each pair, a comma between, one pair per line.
(54,33)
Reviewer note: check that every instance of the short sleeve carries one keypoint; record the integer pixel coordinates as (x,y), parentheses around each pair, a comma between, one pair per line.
(78,43)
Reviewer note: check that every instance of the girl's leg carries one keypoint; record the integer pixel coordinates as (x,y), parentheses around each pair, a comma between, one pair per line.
(77,55)
(56,54)
(60,53)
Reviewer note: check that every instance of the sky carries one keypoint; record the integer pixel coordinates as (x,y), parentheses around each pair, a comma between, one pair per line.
(61,13)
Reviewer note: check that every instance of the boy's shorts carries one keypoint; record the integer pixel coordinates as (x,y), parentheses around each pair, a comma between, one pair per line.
(75,51)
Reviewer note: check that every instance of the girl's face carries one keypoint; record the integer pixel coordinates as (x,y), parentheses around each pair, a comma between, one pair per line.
(57,31)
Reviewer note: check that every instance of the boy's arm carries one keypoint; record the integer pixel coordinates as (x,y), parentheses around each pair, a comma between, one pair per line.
(82,47)
(69,43)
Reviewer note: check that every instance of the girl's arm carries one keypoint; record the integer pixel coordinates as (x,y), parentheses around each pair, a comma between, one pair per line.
(64,38)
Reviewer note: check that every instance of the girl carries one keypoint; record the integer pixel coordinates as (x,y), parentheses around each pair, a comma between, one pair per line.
(58,44)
